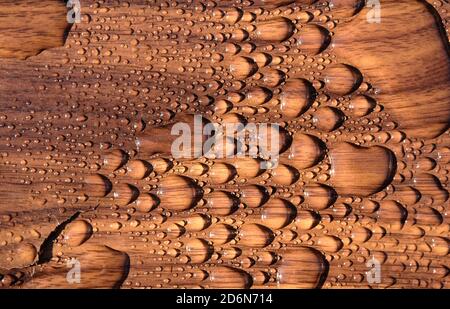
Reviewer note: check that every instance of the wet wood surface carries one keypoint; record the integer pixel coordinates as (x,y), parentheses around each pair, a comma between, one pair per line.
(90,188)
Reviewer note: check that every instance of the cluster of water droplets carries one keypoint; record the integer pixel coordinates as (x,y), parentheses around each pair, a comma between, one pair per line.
(92,143)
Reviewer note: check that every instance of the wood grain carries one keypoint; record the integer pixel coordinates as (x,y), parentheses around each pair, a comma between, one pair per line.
(29,27)
(87,174)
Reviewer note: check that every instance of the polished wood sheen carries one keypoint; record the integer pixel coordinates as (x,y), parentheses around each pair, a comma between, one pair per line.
(89,181)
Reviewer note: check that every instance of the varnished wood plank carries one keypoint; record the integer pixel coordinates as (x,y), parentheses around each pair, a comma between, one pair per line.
(88,178)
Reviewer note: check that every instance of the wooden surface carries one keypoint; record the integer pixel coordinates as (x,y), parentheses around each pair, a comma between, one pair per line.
(29,27)
(86,171)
